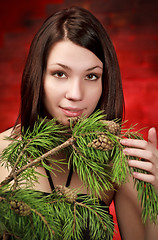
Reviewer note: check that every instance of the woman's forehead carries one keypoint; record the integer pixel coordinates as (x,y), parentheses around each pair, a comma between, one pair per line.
(70,54)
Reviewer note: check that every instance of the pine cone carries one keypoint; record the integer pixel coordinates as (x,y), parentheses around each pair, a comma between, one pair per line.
(68,193)
(102,143)
(74,120)
(112,126)
(20,207)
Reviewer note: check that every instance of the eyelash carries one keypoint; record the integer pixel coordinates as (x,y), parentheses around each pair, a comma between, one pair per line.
(88,77)
(56,74)
(94,75)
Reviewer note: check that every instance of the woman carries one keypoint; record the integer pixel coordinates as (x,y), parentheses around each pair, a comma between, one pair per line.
(71,70)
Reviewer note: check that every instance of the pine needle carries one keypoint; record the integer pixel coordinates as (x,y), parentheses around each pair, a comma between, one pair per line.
(55,216)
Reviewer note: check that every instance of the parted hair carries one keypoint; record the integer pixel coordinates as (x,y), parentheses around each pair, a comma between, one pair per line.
(82,28)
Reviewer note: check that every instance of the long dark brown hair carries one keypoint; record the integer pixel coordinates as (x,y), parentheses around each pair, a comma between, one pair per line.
(82,28)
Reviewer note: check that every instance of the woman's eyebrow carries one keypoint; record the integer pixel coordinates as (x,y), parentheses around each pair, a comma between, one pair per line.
(64,66)
(92,68)
(89,69)
(61,65)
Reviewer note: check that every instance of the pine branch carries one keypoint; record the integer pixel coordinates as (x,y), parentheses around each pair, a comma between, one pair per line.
(28,215)
(44,220)
(18,159)
(95,152)
(148,197)
(146,192)
(74,220)
(94,212)
(37,161)
(77,215)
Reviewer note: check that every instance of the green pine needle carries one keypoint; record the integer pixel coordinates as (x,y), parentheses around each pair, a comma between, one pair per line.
(58,217)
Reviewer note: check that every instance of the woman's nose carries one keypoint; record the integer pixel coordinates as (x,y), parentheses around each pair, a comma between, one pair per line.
(75,90)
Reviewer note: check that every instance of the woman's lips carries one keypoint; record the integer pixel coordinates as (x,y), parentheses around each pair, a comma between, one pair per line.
(72,112)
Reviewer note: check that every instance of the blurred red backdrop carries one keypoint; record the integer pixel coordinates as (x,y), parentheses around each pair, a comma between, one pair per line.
(133,27)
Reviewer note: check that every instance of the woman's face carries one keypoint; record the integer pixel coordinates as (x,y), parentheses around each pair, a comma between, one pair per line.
(72,81)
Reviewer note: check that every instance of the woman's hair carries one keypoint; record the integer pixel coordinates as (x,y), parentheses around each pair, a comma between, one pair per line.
(82,28)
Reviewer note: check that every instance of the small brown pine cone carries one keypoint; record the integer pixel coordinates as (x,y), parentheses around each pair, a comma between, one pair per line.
(100,148)
(112,127)
(20,207)
(68,193)
(103,138)
(100,138)
(74,120)
(96,144)
(102,143)
(107,144)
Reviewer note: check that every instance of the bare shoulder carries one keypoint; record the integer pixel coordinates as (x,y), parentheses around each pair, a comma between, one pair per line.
(3,142)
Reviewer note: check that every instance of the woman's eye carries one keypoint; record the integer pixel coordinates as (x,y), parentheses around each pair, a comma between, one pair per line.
(59,75)
(92,77)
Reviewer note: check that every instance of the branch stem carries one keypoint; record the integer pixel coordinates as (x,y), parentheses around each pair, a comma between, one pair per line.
(93,211)
(10,177)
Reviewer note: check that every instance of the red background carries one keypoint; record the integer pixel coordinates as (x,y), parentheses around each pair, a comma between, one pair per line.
(133,27)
